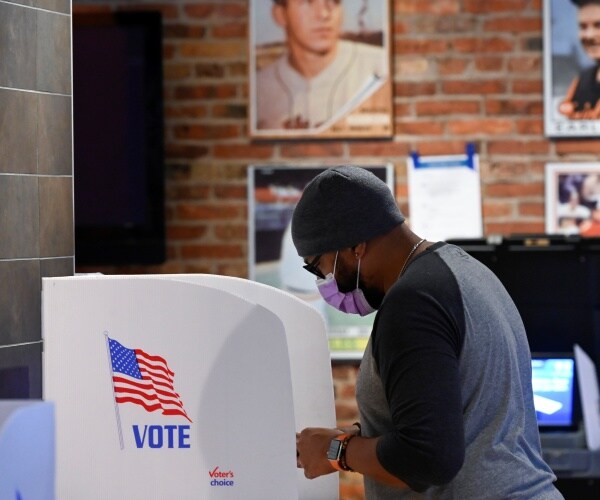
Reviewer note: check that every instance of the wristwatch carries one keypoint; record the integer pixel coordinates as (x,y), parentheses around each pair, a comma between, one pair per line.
(336,454)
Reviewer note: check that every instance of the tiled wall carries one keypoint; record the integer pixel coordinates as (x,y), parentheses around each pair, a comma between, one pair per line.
(36,178)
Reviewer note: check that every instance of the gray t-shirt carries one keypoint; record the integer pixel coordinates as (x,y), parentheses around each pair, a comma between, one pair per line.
(446,382)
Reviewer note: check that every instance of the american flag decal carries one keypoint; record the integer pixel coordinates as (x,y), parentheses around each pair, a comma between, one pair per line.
(144,380)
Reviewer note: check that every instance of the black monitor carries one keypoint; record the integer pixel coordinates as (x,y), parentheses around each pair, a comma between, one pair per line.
(118,138)
(554,282)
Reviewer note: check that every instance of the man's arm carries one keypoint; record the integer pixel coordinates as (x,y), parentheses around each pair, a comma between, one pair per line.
(361,456)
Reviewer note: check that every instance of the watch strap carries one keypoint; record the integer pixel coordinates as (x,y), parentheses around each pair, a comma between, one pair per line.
(340,463)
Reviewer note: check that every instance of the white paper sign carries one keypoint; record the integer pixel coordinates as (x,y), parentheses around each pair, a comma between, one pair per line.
(444,195)
(590,397)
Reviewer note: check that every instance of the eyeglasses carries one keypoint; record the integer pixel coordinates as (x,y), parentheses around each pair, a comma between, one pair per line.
(311,267)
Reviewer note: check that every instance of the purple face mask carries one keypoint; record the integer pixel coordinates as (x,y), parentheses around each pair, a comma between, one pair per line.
(353,302)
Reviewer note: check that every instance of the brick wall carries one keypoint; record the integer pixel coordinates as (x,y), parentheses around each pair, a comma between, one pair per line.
(464,70)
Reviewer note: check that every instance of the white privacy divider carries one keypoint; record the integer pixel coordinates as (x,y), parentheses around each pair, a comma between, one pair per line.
(167,389)
(26,450)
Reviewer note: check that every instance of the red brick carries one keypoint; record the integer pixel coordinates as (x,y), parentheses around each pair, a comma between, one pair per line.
(489,63)
(505,170)
(514,24)
(221,49)
(250,151)
(231,30)
(231,192)
(494,6)
(411,89)
(185,151)
(527,87)
(231,232)
(346,411)
(229,111)
(438,108)
(512,190)
(208,251)
(530,126)
(186,111)
(420,46)
(477,87)
(486,45)
(514,106)
(232,10)
(525,64)
(90,9)
(206,91)
(440,7)
(199,10)
(452,66)
(177,71)
(577,146)
(183,31)
(207,212)
(440,147)
(496,209)
(185,232)
(203,132)
(168,10)
(422,127)
(518,147)
(529,209)
(314,149)
(189,192)
(378,149)
(514,228)
(480,126)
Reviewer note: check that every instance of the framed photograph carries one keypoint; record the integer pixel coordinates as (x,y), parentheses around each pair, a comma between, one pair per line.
(571,66)
(573,199)
(273,192)
(320,69)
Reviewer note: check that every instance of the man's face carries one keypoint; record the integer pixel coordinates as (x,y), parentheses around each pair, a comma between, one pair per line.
(313,25)
(589,29)
(346,271)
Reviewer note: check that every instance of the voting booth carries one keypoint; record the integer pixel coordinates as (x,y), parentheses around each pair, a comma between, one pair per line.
(26,450)
(183,386)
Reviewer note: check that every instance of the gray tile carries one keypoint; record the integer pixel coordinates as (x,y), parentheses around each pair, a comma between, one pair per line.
(61,266)
(62,6)
(19,217)
(55,135)
(18,46)
(53,53)
(18,125)
(21,371)
(20,301)
(56,217)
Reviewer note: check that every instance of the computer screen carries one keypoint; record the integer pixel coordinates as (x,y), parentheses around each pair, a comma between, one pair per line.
(553,380)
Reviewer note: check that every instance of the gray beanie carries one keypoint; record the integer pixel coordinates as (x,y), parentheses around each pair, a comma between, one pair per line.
(342,207)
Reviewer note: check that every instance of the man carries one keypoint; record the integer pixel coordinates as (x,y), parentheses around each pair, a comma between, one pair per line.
(318,76)
(582,101)
(444,389)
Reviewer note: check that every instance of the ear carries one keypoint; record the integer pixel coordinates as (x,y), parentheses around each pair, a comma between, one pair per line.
(360,250)
(279,15)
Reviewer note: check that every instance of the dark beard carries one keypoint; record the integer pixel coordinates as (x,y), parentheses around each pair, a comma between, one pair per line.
(347,282)
(374,297)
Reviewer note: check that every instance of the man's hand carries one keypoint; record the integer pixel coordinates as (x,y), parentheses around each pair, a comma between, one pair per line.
(312,445)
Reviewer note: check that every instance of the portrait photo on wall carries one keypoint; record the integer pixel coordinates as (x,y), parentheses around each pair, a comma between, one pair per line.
(320,69)
(273,192)
(572,68)
(573,199)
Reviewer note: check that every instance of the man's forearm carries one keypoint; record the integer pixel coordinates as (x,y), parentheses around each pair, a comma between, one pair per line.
(361,456)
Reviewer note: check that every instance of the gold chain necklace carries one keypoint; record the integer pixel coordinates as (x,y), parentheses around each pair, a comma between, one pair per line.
(414,248)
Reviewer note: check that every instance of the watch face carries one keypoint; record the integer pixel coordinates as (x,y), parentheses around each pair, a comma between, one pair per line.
(334,449)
